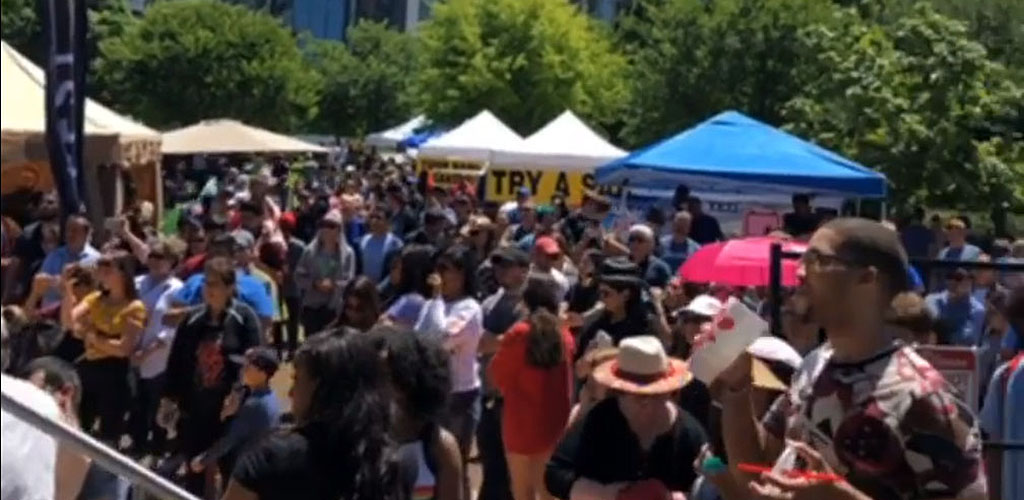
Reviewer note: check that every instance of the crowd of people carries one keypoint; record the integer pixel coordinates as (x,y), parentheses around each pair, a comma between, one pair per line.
(425,330)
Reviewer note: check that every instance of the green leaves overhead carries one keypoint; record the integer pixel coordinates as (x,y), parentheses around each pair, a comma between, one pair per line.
(365,81)
(192,59)
(525,60)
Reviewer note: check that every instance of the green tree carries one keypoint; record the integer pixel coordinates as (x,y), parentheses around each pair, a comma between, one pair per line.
(22,27)
(193,59)
(919,101)
(366,81)
(525,60)
(19,26)
(693,58)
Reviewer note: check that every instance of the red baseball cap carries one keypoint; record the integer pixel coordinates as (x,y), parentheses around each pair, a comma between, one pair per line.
(287,221)
(547,246)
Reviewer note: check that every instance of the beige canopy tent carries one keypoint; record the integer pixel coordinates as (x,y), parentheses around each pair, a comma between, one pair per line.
(231,136)
(110,140)
(23,119)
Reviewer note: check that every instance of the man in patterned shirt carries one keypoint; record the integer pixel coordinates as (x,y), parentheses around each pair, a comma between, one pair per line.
(863,406)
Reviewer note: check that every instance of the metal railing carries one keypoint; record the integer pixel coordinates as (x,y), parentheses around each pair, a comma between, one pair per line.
(107,458)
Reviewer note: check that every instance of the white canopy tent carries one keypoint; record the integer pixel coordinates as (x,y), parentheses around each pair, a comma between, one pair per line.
(475,140)
(566,143)
(231,136)
(391,137)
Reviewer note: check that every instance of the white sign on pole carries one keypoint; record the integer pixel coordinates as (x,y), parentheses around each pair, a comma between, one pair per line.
(959,366)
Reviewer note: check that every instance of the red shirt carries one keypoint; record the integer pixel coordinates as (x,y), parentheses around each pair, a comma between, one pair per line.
(537,401)
(192,265)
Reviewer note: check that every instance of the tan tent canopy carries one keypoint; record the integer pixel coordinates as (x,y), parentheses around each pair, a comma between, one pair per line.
(231,136)
(109,137)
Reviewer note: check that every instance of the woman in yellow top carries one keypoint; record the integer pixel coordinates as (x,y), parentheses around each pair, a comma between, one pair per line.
(109,323)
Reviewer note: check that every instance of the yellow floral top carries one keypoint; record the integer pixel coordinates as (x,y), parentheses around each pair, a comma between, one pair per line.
(110,321)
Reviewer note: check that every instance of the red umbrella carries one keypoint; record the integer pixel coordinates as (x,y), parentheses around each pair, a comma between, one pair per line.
(743,262)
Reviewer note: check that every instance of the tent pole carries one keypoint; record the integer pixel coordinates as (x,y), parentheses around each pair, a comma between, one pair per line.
(858,207)
(885,215)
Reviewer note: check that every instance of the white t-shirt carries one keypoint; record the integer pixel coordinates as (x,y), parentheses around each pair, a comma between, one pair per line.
(29,455)
(156,295)
(461,324)
(560,279)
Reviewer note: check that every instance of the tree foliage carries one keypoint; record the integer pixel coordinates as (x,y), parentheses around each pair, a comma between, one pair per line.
(365,81)
(19,26)
(526,60)
(693,58)
(918,100)
(193,59)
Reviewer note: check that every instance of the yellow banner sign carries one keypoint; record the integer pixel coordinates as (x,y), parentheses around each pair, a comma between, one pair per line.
(451,173)
(502,185)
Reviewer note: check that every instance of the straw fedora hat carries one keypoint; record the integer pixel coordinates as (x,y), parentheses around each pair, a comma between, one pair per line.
(642,367)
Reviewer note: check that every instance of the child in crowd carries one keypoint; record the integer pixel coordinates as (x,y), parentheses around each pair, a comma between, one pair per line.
(250,419)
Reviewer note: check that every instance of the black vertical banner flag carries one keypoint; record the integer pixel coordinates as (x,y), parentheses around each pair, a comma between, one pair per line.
(66,63)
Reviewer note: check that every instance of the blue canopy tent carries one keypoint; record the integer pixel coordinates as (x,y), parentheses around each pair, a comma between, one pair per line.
(733,153)
(417,139)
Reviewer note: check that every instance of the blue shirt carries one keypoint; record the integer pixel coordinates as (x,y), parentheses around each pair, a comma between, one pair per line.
(917,240)
(1011,341)
(966,253)
(1000,419)
(58,259)
(374,250)
(259,413)
(965,318)
(249,290)
(675,254)
(914,278)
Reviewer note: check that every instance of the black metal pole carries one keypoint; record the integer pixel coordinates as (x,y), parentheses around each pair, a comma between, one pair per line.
(775,288)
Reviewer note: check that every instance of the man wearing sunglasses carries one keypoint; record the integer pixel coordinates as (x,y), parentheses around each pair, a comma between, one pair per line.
(958,311)
(864,406)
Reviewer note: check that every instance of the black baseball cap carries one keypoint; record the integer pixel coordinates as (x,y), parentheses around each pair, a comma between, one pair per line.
(510,255)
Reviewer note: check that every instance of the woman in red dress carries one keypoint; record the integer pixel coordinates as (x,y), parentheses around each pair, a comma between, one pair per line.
(533,371)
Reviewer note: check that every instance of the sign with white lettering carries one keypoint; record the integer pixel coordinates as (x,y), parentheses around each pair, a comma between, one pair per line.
(65,97)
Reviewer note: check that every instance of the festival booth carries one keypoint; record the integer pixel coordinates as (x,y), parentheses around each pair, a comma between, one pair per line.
(230,137)
(745,171)
(463,154)
(111,142)
(392,138)
(560,158)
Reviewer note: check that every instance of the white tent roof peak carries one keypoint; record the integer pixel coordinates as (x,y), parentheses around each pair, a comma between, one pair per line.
(391,137)
(565,143)
(472,140)
(568,134)
(231,136)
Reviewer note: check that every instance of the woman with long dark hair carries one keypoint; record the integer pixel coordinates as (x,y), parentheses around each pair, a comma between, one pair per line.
(453,315)
(533,371)
(623,312)
(360,305)
(420,383)
(412,290)
(339,448)
(109,322)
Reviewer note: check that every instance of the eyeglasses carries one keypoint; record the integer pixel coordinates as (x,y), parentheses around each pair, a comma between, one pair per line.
(816,258)
(606,292)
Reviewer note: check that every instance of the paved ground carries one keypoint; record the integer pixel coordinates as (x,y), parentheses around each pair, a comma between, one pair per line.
(282,381)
